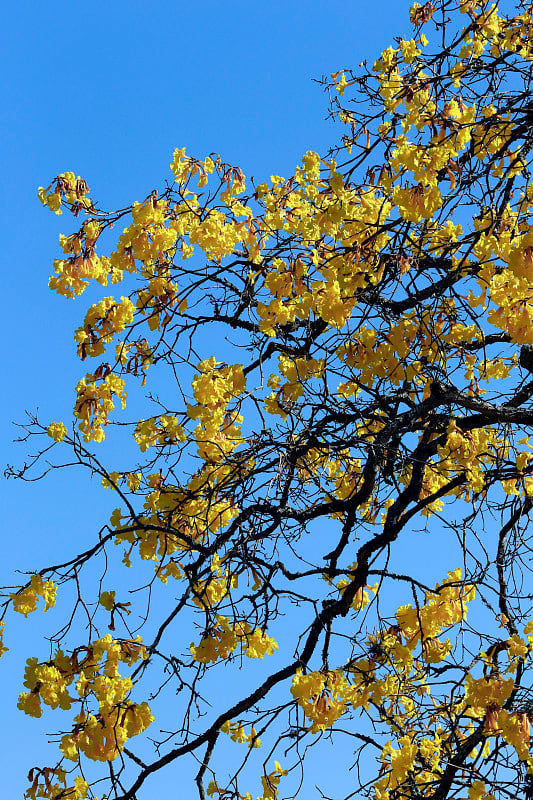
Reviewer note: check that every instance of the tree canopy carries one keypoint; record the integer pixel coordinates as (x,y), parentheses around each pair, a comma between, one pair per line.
(322,370)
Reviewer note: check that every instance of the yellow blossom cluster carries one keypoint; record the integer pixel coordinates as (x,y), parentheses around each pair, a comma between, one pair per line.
(215,386)
(113,479)
(82,264)
(159,297)
(325,695)
(237,734)
(180,517)
(25,601)
(345,472)
(149,239)
(487,691)
(183,166)
(515,730)
(295,371)
(73,274)
(346,216)
(213,590)
(102,323)
(57,431)
(51,783)
(152,545)
(218,431)
(193,512)
(418,757)
(162,430)
(394,346)
(321,696)
(485,697)
(66,187)
(270,782)
(468,452)
(443,608)
(102,737)
(94,671)
(477,789)
(506,292)
(222,639)
(94,403)
(417,202)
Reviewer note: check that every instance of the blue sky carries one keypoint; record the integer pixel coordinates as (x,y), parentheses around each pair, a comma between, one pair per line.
(108,90)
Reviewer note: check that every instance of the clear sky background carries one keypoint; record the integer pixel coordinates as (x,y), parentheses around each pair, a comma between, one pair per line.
(108,90)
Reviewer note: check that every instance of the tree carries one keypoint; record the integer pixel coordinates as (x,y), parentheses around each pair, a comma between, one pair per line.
(333,361)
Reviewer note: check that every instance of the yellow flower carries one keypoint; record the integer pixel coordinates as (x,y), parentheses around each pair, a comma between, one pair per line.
(57,431)
(25,601)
